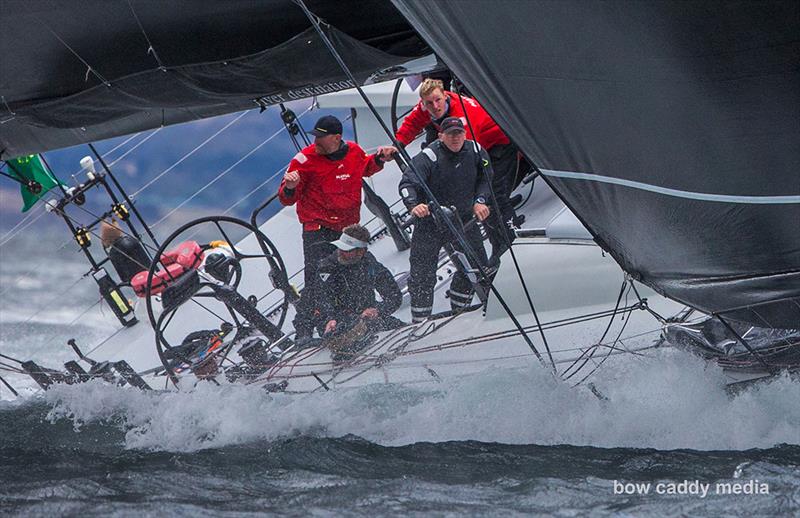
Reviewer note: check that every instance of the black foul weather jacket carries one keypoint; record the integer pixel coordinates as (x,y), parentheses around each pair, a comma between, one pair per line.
(343,291)
(456,179)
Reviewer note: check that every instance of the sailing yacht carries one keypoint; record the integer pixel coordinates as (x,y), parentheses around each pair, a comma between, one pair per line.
(629,225)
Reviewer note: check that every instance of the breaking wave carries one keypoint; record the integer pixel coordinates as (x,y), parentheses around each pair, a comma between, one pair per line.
(672,401)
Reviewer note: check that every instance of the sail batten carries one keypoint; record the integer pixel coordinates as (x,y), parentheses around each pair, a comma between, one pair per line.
(689,195)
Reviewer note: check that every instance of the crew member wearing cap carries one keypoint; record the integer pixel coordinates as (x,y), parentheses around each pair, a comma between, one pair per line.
(324,180)
(343,290)
(435,105)
(457,171)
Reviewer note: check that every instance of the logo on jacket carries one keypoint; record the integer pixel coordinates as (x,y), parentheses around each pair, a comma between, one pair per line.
(324,276)
(343,176)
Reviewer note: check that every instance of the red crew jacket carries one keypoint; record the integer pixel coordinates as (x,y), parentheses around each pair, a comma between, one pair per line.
(329,192)
(488,133)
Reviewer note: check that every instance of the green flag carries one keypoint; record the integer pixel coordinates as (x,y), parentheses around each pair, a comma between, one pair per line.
(28,168)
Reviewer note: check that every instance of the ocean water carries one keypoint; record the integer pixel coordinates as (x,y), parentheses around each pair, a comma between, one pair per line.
(669,440)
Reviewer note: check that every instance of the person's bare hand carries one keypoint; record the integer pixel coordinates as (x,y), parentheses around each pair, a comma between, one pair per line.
(421,211)
(481,211)
(330,327)
(292,178)
(386,153)
(370,313)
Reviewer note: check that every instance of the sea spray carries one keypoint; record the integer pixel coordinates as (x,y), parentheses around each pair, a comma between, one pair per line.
(670,401)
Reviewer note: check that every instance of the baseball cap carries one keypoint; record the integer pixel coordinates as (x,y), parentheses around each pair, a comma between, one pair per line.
(327,125)
(347,243)
(451,124)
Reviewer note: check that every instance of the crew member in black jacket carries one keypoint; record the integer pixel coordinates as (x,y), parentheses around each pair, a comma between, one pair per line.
(457,171)
(344,287)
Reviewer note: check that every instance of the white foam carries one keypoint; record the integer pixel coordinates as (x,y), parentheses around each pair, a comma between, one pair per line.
(671,401)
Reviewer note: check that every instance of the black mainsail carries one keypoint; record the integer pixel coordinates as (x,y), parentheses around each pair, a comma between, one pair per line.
(671,128)
(75,72)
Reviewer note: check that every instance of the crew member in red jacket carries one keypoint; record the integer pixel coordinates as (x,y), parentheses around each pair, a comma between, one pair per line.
(324,180)
(435,105)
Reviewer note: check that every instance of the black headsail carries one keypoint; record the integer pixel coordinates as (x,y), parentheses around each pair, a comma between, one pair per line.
(671,128)
(74,72)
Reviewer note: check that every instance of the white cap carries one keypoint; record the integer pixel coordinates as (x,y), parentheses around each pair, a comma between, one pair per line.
(347,242)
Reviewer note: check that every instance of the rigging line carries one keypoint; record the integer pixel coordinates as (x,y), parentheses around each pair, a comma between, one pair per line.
(11,368)
(35,268)
(459,236)
(68,289)
(151,48)
(16,179)
(43,211)
(88,66)
(79,171)
(105,340)
(608,327)
(268,180)
(587,353)
(600,342)
(84,312)
(289,124)
(54,298)
(227,170)
(125,198)
(132,149)
(784,339)
(57,333)
(72,323)
(96,216)
(499,335)
(223,173)
(3,240)
(16,394)
(393,355)
(254,190)
(64,214)
(611,349)
(506,239)
(27,221)
(643,302)
(476,343)
(405,363)
(10,111)
(190,153)
(607,356)
(761,317)
(121,144)
(10,358)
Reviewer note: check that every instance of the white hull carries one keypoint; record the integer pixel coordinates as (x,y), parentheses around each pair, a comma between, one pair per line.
(568,277)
